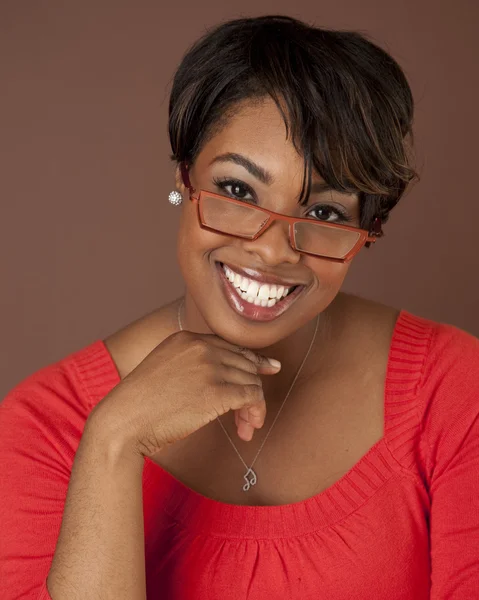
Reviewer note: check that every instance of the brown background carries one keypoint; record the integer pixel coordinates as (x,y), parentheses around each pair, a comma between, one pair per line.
(87,235)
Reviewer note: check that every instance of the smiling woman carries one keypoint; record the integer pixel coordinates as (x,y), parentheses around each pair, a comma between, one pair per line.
(265,436)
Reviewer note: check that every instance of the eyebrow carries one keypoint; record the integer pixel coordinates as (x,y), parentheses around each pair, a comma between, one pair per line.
(241,160)
(262,174)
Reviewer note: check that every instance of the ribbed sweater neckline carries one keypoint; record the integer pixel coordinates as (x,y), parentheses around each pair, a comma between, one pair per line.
(203,515)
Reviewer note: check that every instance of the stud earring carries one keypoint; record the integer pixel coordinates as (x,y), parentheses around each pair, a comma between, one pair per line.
(175,198)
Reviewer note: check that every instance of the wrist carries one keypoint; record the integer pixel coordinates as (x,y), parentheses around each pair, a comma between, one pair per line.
(105,437)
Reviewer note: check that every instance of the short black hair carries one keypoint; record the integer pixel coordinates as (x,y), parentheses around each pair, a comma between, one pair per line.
(346,103)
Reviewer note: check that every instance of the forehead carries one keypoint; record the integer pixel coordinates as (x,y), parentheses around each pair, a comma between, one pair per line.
(257,130)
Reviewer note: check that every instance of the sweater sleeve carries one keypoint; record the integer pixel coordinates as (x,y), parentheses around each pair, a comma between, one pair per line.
(41,422)
(451,450)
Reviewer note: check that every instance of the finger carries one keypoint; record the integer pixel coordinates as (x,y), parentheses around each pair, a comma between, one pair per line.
(263,364)
(245,431)
(237,360)
(246,359)
(236,396)
(254,415)
(236,374)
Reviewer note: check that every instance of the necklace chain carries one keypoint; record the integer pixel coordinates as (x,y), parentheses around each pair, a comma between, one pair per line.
(250,476)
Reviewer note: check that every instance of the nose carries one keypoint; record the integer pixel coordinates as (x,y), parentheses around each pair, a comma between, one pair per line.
(273,245)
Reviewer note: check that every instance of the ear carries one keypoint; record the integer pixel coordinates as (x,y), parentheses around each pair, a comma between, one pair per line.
(180,186)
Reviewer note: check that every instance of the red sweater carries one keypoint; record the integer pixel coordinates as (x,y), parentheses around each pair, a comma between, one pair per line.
(403,523)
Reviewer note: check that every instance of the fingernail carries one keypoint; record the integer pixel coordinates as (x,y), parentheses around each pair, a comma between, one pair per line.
(274,363)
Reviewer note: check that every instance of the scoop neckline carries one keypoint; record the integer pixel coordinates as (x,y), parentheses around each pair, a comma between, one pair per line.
(203,515)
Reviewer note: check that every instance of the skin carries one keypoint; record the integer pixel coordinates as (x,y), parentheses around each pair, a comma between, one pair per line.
(257,131)
(334,415)
(335,411)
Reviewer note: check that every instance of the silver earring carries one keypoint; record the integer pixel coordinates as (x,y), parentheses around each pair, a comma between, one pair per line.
(175,198)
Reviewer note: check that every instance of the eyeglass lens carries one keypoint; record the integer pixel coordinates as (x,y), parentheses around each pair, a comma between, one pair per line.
(244,220)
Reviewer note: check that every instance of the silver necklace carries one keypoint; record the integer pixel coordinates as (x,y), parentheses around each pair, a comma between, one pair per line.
(250,476)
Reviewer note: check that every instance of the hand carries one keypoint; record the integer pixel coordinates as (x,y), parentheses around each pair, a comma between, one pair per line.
(188,380)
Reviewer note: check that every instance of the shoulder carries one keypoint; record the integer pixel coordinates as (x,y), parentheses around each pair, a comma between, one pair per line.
(131,344)
(364,326)
(450,376)
(363,313)
(446,396)
(48,409)
(443,358)
(452,345)
(56,380)
(432,381)
(450,365)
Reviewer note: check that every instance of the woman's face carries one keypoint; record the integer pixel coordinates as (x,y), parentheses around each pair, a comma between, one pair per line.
(257,134)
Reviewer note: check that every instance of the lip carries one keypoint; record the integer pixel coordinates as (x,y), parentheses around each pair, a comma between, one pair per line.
(261,277)
(251,311)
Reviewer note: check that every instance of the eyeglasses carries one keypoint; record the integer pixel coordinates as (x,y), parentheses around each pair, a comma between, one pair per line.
(228,216)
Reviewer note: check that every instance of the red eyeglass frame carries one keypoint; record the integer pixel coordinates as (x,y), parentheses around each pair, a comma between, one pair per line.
(364,235)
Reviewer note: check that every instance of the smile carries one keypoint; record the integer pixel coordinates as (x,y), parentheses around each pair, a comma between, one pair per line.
(256,292)
(255,299)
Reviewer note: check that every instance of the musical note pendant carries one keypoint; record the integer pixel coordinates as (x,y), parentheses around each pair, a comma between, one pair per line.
(249,482)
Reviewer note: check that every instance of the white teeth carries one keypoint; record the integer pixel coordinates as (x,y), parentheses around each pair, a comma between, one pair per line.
(264,291)
(254,292)
(229,274)
(253,288)
(256,300)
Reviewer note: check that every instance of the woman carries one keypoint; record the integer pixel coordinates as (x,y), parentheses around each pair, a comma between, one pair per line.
(267,436)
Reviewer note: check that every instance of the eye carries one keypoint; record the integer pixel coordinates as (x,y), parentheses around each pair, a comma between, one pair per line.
(235,189)
(330,214)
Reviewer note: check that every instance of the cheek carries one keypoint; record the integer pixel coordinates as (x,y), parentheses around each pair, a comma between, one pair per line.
(193,242)
(329,274)
(190,233)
